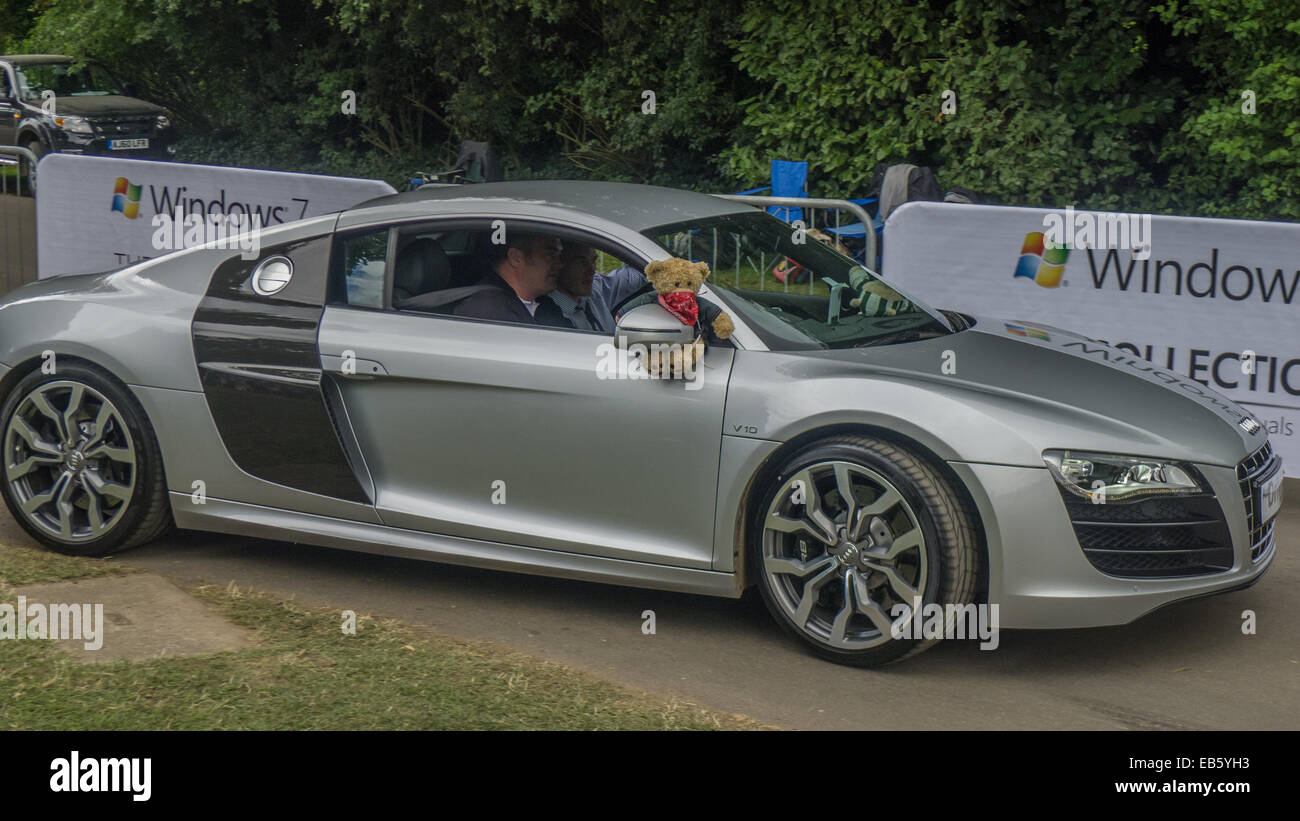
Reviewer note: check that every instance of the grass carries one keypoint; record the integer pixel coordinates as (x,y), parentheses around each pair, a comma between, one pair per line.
(9,180)
(26,565)
(305,673)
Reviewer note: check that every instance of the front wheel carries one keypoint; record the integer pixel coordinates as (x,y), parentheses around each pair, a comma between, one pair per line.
(82,470)
(24,165)
(850,537)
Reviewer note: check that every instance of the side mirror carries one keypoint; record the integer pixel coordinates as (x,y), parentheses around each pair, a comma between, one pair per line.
(652,325)
(666,348)
(130,90)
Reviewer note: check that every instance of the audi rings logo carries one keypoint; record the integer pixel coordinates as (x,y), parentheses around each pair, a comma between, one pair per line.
(1248,424)
(271,275)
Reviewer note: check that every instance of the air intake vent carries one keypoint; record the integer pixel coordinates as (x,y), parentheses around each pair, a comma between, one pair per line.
(1154,538)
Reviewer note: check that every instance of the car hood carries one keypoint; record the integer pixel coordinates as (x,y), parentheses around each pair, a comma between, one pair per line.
(1089,387)
(108,106)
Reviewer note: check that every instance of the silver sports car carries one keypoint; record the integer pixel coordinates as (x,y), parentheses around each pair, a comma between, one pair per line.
(849,451)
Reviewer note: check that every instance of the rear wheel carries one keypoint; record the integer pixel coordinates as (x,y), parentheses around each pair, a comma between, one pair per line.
(82,470)
(849,537)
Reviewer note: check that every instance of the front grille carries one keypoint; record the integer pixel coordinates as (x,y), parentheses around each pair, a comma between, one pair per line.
(1251,473)
(1154,538)
(127,124)
(1254,464)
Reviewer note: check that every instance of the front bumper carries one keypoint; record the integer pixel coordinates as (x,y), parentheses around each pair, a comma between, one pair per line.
(1039,576)
(97,145)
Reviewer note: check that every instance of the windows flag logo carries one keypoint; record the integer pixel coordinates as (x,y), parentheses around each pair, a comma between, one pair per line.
(1027,331)
(126,198)
(1041,261)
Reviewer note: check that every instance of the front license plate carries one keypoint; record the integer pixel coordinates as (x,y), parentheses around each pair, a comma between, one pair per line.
(1270,497)
(123,145)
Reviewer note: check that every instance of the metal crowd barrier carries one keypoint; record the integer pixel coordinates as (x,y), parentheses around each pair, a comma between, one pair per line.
(815,204)
(17,217)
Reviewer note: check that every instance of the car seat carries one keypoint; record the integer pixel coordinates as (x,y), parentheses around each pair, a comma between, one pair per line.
(421,267)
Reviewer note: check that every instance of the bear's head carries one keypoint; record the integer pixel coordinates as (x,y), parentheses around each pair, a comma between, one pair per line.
(669,275)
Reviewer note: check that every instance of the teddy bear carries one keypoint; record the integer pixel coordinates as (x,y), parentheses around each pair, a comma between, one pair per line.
(676,283)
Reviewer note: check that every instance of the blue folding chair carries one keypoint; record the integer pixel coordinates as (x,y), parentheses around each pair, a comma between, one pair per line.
(789,179)
(857,230)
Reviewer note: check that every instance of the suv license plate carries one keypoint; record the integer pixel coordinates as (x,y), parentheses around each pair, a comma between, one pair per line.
(123,145)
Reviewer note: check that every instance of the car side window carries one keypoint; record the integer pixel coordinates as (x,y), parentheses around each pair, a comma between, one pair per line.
(446,268)
(363,260)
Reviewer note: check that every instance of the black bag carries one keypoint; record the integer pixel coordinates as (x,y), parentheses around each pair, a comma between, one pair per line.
(477,162)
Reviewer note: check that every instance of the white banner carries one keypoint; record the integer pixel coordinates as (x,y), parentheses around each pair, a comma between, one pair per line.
(98,213)
(1215,300)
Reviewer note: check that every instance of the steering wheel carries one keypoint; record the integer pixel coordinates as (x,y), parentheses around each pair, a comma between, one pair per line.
(625,300)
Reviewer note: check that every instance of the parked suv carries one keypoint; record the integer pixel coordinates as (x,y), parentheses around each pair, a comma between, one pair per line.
(88,112)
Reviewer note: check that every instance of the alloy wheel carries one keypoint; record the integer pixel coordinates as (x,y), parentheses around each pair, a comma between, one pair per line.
(842,549)
(69,461)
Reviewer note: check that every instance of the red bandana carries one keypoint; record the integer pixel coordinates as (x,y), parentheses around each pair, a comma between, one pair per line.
(682,305)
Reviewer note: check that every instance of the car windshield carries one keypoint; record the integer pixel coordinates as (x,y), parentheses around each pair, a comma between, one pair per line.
(795,291)
(64,80)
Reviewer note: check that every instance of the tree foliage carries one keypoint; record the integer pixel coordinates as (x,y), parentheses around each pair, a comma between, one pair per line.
(1122,105)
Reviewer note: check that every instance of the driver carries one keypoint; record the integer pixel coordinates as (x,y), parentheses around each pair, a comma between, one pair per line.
(524,271)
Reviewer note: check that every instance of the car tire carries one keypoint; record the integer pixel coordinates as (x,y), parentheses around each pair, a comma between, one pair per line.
(82,470)
(36,147)
(833,574)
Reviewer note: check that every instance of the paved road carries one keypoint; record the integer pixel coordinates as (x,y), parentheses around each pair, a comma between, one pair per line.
(1187,666)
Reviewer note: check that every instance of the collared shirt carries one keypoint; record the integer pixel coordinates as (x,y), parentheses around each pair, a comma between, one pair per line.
(578,311)
(595,312)
(530,304)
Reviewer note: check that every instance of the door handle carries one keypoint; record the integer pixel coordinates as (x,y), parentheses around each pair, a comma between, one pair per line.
(352,367)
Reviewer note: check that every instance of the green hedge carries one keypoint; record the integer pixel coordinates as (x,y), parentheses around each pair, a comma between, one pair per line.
(1121,105)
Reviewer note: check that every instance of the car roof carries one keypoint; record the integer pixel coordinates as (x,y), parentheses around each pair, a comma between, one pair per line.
(34,59)
(637,207)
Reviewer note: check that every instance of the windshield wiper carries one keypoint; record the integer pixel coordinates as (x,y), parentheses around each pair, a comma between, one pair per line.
(905,335)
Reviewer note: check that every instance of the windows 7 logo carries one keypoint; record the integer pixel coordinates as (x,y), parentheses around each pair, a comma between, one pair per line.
(1043,262)
(126,198)
(1027,331)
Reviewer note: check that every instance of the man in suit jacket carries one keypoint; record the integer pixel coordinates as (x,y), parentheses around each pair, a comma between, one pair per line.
(524,269)
(586,299)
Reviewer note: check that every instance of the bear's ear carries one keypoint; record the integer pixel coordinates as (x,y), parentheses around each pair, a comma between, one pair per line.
(654,270)
(703,268)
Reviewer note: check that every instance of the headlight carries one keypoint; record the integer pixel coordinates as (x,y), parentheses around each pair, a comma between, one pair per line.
(74,125)
(1105,477)
(163,121)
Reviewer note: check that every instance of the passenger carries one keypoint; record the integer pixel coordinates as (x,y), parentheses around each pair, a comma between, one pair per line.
(524,269)
(587,299)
